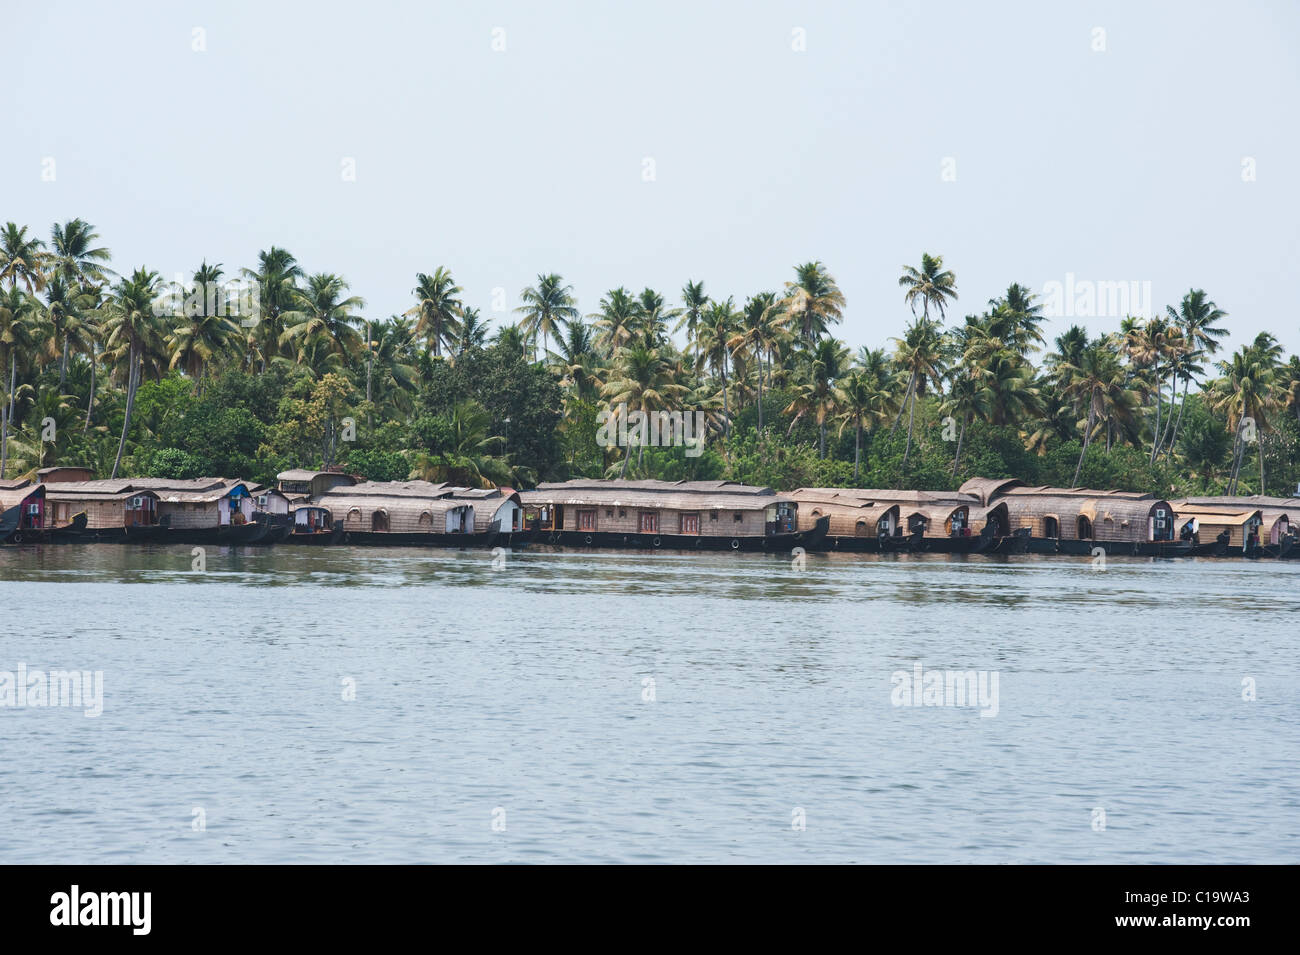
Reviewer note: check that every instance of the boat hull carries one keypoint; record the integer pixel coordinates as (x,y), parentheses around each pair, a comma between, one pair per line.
(1078,548)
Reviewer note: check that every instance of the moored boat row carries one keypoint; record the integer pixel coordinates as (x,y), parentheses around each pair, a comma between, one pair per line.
(984,516)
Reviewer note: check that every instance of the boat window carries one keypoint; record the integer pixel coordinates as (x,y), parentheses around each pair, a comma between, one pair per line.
(1085,528)
(738,517)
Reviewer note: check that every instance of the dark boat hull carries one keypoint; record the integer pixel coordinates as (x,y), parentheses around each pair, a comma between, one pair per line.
(1078,548)
(318,538)
(774,543)
(455,541)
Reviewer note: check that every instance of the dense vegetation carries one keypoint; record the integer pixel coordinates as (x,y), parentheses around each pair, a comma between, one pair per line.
(247,373)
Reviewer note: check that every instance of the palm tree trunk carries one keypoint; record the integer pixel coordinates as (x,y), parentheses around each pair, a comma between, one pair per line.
(821,440)
(961,435)
(1259,443)
(1087,437)
(760,392)
(130,404)
(1155,433)
(63,365)
(90,403)
(857,449)
(1169,448)
(627,457)
(8,413)
(899,417)
(726,413)
(911,414)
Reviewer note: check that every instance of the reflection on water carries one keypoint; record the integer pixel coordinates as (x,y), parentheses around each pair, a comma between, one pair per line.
(655,706)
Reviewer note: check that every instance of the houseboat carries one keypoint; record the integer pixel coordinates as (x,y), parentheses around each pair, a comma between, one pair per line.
(271,507)
(721,515)
(112,509)
(204,510)
(22,512)
(1279,539)
(855,521)
(305,483)
(313,524)
(1220,531)
(404,512)
(1081,520)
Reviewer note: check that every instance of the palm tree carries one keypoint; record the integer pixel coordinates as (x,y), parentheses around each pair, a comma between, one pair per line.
(1247,391)
(75,256)
(578,363)
(276,276)
(818,394)
(545,308)
(22,261)
(920,356)
(1089,382)
(16,322)
(1198,317)
(714,332)
(652,318)
(131,330)
(616,320)
(467,457)
(930,285)
(867,400)
(322,321)
(63,310)
(473,329)
(752,336)
(642,380)
(694,301)
(437,308)
(1016,316)
(813,301)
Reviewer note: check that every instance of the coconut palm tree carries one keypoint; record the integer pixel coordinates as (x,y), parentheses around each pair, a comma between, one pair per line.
(322,321)
(578,362)
(1246,392)
(694,301)
(74,255)
(1090,382)
(17,319)
(813,301)
(616,320)
(1016,316)
(546,307)
(473,329)
(22,259)
(132,332)
(437,308)
(866,400)
(752,334)
(818,393)
(276,277)
(919,355)
(716,329)
(642,380)
(1199,319)
(467,458)
(652,318)
(929,286)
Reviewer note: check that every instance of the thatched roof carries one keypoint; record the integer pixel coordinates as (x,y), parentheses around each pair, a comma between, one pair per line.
(110,487)
(660,488)
(1218,516)
(199,491)
(416,489)
(304,474)
(653,495)
(986,489)
(11,496)
(104,490)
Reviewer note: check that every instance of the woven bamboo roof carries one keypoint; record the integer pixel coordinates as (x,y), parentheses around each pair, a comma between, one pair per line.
(304,474)
(112,487)
(843,500)
(11,496)
(1210,514)
(729,488)
(638,494)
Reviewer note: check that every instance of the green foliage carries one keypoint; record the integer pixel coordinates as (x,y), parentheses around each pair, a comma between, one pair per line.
(379,465)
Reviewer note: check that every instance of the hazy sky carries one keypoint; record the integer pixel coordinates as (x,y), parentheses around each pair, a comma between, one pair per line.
(1120,164)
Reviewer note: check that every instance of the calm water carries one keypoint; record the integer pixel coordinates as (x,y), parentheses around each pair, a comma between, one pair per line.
(518,695)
